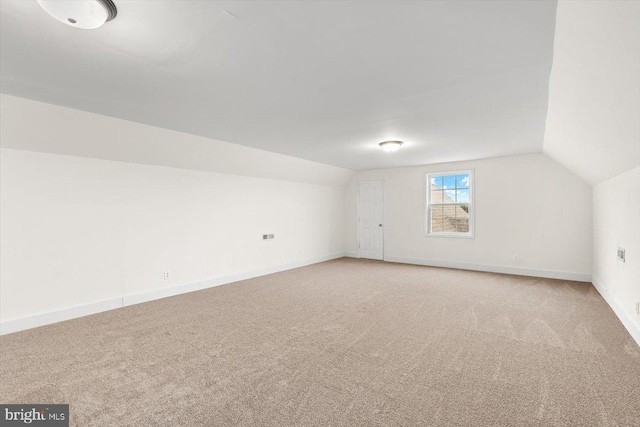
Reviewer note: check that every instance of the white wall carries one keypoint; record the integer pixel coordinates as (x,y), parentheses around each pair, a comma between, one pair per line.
(593,121)
(526,205)
(75,231)
(80,235)
(616,223)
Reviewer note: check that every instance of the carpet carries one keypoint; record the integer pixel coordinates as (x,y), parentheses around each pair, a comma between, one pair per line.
(341,343)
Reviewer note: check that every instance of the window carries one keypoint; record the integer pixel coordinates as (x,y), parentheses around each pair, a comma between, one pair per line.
(450,204)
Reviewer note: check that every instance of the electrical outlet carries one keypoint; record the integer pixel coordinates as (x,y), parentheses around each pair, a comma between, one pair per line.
(268,237)
(516,258)
(167,275)
(637,307)
(621,254)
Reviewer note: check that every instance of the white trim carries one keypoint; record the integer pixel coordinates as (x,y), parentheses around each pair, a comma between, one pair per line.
(41,319)
(456,235)
(632,327)
(351,254)
(155,294)
(549,274)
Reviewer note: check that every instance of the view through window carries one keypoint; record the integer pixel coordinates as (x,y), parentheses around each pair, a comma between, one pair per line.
(449,199)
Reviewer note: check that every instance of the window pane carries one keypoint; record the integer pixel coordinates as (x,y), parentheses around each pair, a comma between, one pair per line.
(449,196)
(448,181)
(462,196)
(462,219)
(436,196)
(449,219)
(462,181)
(437,181)
(436,219)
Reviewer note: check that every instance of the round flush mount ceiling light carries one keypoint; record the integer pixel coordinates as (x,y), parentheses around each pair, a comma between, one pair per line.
(84,14)
(390,146)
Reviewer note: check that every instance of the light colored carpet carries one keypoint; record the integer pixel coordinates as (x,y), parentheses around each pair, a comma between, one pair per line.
(345,342)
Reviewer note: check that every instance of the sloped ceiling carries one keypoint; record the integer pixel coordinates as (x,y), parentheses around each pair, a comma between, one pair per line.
(593,122)
(66,131)
(323,81)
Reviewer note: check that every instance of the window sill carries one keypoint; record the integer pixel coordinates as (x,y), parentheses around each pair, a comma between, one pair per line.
(454,235)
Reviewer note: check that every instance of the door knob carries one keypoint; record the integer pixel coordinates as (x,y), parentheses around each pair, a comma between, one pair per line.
(380,225)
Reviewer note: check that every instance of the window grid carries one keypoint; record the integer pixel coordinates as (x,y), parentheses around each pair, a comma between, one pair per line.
(450,216)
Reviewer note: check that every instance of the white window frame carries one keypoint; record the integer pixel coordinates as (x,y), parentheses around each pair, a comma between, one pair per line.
(471,203)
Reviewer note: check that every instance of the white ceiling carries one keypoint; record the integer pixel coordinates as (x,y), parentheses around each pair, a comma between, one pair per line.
(324,81)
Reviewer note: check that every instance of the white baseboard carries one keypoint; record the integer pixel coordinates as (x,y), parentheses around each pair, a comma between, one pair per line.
(627,321)
(549,274)
(191,287)
(351,254)
(42,319)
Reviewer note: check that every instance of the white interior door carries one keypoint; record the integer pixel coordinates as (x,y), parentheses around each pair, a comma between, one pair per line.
(370,220)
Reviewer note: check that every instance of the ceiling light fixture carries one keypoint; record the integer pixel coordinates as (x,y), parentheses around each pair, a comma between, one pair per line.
(84,14)
(390,146)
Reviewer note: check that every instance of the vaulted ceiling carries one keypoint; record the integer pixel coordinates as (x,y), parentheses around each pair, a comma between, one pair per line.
(324,81)
(593,124)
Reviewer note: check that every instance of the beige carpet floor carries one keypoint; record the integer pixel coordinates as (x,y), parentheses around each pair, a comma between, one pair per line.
(341,343)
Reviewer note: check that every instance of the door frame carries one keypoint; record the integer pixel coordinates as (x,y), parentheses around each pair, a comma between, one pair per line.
(358,215)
